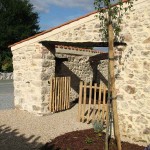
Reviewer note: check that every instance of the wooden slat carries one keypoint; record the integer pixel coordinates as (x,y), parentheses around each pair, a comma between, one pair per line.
(68,100)
(65,92)
(99,100)
(55,94)
(106,109)
(62,93)
(53,82)
(68,92)
(90,98)
(66,103)
(84,102)
(94,105)
(52,96)
(59,98)
(80,101)
(59,94)
(51,91)
(104,98)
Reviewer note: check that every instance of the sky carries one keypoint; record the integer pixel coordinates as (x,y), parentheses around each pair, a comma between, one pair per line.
(56,12)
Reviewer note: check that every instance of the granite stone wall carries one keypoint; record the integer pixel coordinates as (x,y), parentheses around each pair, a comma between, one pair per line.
(48,71)
(133,76)
(32,66)
(80,68)
(88,31)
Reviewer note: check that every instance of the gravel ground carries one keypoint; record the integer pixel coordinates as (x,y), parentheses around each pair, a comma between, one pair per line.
(20,130)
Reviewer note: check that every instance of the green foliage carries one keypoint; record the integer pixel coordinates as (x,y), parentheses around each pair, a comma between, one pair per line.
(18,21)
(89,140)
(7,67)
(6,62)
(109,13)
(98,126)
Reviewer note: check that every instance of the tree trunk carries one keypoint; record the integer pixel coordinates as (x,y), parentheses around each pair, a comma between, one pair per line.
(112,86)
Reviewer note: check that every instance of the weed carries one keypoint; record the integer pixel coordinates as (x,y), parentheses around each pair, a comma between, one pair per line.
(89,140)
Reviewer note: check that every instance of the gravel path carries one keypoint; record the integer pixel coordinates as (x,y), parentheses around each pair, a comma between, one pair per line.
(20,130)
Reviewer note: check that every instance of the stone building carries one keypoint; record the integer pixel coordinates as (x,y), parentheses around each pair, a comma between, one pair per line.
(34,61)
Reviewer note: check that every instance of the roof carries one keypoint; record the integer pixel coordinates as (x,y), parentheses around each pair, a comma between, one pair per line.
(46,31)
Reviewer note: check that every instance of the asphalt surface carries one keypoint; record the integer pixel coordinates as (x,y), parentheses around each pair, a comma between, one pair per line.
(6,94)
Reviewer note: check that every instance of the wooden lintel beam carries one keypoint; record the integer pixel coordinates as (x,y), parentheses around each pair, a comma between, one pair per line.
(86,44)
(61,59)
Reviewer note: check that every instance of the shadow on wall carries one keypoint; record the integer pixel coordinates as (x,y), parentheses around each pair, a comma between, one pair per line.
(95,61)
(11,139)
(48,47)
(97,75)
(63,70)
(102,78)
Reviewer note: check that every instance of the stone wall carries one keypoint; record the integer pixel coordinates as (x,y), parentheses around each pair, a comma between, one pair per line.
(133,76)
(79,68)
(30,76)
(6,76)
(88,31)
(48,71)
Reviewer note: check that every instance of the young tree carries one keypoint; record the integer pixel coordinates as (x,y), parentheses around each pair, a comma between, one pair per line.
(17,21)
(111,14)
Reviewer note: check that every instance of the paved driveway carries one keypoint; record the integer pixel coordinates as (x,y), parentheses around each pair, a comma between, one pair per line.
(6,94)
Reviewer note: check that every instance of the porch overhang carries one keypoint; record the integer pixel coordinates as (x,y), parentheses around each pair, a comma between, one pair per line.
(86,44)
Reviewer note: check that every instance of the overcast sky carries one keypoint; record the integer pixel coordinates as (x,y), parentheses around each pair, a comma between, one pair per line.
(55,12)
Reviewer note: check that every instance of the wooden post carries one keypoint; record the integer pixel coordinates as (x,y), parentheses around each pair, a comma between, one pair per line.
(112,86)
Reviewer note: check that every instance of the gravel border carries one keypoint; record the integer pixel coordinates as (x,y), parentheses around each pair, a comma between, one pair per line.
(20,130)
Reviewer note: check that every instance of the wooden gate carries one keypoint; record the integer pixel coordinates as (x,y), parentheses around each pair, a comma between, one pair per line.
(92,102)
(59,94)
